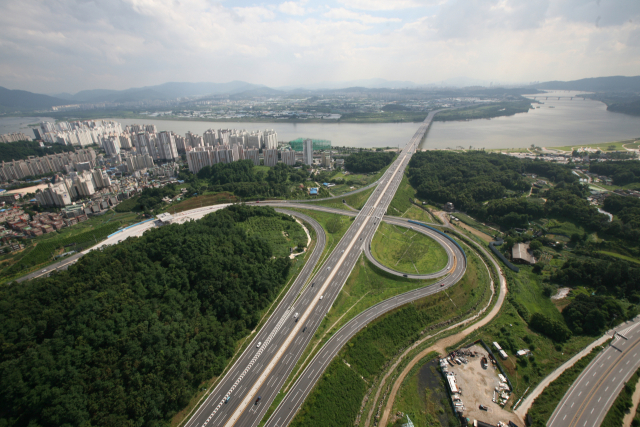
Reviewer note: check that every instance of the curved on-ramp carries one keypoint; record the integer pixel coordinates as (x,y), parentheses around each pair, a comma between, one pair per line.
(314,370)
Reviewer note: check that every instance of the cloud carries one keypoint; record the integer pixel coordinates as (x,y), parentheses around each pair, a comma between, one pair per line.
(341,13)
(70,45)
(384,4)
(292,8)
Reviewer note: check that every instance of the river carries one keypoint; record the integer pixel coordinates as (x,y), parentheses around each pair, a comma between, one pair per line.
(567,123)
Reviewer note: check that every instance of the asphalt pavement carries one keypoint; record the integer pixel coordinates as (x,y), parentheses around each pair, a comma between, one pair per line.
(274,359)
(590,397)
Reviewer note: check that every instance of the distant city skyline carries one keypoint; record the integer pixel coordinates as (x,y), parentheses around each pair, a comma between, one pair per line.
(70,45)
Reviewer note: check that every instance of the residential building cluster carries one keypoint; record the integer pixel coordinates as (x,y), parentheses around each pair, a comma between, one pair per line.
(34,166)
(13,137)
(228,145)
(78,133)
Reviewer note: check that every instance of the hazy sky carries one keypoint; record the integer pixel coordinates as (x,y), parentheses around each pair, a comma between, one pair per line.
(52,46)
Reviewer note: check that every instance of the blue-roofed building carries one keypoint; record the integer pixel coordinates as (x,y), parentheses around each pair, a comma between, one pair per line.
(313,191)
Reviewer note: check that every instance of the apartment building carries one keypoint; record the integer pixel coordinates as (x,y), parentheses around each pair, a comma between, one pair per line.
(288,157)
(54,195)
(270,157)
(307,152)
(34,166)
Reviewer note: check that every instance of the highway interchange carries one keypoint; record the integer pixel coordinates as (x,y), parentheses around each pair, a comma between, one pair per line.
(267,362)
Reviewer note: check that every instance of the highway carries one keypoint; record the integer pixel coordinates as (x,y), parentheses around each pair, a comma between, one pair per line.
(274,359)
(589,398)
(245,392)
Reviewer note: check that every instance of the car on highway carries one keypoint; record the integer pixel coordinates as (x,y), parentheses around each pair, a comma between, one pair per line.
(259,344)
(321,296)
(441,284)
(227,399)
(404,275)
(258,400)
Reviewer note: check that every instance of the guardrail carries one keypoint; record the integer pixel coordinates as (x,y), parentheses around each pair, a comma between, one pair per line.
(443,234)
(131,226)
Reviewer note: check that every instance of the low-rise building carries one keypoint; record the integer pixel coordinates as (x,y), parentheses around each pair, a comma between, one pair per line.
(521,253)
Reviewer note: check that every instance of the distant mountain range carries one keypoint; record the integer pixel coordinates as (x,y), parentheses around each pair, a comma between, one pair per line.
(20,100)
(166,91)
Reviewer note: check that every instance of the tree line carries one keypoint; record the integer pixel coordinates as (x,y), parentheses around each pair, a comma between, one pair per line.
(127,334)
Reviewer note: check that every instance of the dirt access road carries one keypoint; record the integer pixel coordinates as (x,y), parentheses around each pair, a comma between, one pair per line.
(442,345)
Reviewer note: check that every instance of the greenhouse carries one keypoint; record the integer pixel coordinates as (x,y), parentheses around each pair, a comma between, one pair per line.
(318,144)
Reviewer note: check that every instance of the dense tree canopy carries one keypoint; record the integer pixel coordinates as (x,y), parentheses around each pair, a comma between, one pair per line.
(617,277)
(241,179)
(124,337)
(368,161)
(22,149)
(592,314)
(468,179)
(622,173)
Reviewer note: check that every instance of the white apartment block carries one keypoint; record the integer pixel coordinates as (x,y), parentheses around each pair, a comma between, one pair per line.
(167,146)
(111,145)
(139,162)
(13,137)
(210,137)
(270,138)
(288,157)
(83,184)
(326,159)
(54,195)
(34,166)
(181,144)
(307,152)
(270,157)
(255,140)
(200,157)
(252,154)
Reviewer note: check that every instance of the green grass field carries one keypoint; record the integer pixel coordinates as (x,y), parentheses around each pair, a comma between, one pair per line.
(407,251)
(281,234)
(400,202)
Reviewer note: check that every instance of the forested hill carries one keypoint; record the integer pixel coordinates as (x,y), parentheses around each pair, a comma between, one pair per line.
(125,336)
(22,149)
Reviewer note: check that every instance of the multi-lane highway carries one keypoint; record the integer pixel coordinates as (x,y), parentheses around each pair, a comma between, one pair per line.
(274,359)
(245,392)
(588,400)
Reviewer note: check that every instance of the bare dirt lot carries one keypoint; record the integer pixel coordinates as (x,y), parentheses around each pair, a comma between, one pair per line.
(478,385)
